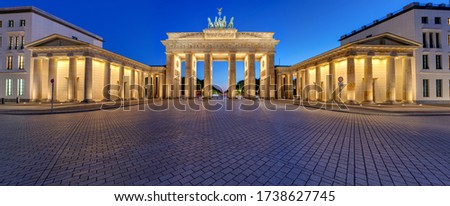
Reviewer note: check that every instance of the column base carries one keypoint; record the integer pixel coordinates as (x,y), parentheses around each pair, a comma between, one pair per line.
(407,102)
(350,102)
(87,101)
(390,102)
(368,102)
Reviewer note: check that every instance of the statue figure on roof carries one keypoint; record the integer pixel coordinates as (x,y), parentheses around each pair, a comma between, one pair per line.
(210,24)
(231,24)
(219,22)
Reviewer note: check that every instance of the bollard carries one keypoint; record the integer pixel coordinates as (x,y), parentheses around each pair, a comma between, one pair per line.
(3,100)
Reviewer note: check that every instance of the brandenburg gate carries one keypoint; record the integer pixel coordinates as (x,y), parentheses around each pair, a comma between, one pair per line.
(219,42)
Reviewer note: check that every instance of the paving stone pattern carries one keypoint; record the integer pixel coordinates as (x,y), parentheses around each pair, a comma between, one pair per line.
(223,148)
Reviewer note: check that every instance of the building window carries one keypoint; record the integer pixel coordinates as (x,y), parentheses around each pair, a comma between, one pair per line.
(9,63)
(437,20)
(20,87)
(425,88)
(11,23)
(431,40)
(424,40)
(22,22)
(438,62)
(21,62)
(16,43)
(1,24)
(8,87)
(438,87)
(438,40)
(425,62)
(424,20)
(11,42)
(22,42)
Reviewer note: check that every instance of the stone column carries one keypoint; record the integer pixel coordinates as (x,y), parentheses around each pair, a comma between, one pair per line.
(107,81)
(299,83)
(331,84)
(88,78)
(368,80)
(351,83)
(208,76)
(188,83)
(279,86)
(407,85)
(72,81)
(52,74)
(290,85)
(168,87)
(37,79)
(390,80)
(232,75)
(121,83)
(141,85)
(251,76)
(154,85)
(307,85)
(270,70)
(161,84)
(318,84)
(132,83)
(149,86)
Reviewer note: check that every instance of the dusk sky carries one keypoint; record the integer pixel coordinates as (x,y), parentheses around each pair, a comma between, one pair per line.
(135,28)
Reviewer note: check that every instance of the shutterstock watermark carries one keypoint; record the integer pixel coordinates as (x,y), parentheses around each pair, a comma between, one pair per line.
(213,98)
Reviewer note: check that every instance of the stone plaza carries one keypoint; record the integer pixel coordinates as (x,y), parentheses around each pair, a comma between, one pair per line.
(262,147)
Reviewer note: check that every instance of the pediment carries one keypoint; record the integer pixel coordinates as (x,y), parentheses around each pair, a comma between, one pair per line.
(386,39)
(55,41)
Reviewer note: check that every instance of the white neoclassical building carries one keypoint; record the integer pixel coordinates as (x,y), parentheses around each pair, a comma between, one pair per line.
(425,26)
(36,47)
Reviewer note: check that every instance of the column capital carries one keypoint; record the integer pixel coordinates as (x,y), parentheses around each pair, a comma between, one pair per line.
(393,54)
(371,53)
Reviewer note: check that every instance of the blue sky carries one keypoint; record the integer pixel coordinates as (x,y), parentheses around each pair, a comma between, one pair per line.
(135,28)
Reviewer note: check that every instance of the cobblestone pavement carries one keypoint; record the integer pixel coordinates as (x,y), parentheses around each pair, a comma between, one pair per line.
(223,148)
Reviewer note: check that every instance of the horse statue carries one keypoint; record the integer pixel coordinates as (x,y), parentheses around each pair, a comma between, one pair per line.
(223,24)
(210,24)
(231,24)
(216,23)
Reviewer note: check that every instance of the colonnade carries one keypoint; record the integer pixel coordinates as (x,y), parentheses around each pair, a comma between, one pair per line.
(173,73)
(330,85)
(47,68)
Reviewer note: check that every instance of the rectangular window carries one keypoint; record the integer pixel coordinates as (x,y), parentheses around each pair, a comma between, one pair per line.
(438,62)
(11,42)
(448,21)
(20,87)
(438,87)
(425,62)
(22,44)
(425,88)
(1,24)
(424,20)
(9,63)
(438,40)
(431,41)
(11,23)
(437,20)
(21,62)
(424,40)
(22,22)
(8,87)
(16,44)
